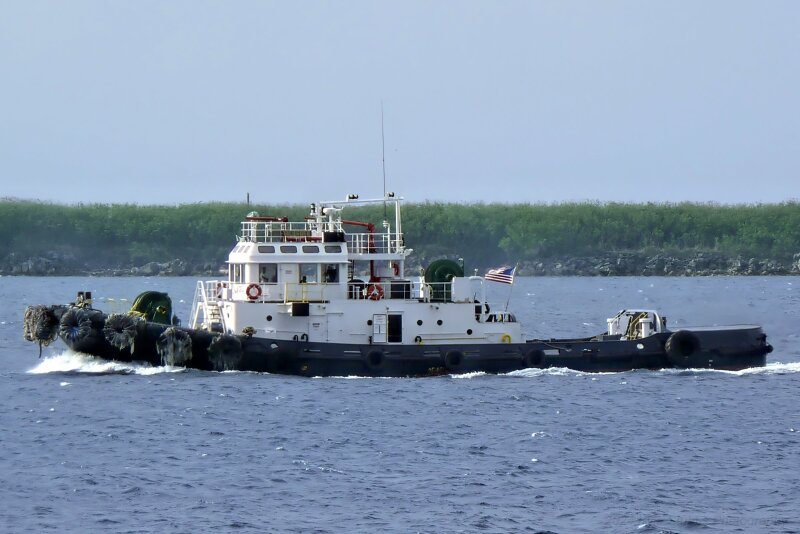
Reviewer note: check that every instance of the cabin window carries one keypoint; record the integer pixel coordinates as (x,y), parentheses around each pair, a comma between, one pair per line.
(237,272)
(333,248)
(308,273)
(268,273)
(361,269)
(310,248)
(331,273)
(288,248)
(266,249)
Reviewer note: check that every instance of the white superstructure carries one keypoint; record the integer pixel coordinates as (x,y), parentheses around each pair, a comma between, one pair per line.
(329,279)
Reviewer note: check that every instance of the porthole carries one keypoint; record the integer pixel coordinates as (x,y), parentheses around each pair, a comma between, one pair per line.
(469,331)
(369,322)
(269,317)
(419,322)
(439,322)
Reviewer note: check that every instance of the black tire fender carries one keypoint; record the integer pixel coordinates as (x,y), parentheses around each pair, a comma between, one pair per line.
(533,358)
(75,325)
(375,359)
(454,360)
(681,347)
(225,352)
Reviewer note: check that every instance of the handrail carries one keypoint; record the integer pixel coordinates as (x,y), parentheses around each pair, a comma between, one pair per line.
(199,295)
(409,290)
(368,242)
(204,299)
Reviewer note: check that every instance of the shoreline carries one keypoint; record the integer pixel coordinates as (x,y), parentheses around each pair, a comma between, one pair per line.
(603,265)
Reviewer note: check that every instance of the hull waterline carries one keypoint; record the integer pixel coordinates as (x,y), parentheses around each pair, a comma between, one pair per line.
(727,348)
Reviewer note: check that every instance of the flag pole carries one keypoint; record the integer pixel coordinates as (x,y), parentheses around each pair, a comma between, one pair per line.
(510,289)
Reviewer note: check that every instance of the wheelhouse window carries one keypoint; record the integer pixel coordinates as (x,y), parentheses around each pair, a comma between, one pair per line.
(236,272)
(333,248)
(266,249)
(288,248)
(268,273)
(308,273)
(361,269)
(330,273)
(310,248)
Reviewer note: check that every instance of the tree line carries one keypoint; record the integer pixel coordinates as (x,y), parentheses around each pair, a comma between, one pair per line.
(120,235)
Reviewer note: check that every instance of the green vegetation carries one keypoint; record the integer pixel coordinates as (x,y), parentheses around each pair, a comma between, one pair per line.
(484,234)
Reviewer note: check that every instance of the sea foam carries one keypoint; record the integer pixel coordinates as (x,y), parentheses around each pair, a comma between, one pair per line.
(76,362)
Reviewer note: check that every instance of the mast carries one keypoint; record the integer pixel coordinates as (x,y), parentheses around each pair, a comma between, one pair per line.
(383,163)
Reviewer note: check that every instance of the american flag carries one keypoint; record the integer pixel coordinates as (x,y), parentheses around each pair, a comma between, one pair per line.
(504,275)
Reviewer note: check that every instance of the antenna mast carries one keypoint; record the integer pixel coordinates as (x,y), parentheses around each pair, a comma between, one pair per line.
(383,163)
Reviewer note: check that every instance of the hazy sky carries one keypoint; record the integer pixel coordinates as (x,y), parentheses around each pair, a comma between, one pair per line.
(193,101)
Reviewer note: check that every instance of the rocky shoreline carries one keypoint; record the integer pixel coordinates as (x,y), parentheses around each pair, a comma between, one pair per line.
(638,264)
(610,264)
(55,265)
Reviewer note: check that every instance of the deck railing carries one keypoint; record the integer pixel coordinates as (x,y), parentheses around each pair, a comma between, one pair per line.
(279,232)
(205,305)
(209,293)
(311,231)
(400,290)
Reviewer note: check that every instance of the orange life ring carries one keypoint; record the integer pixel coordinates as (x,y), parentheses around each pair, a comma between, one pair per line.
(374,292)
(253,291)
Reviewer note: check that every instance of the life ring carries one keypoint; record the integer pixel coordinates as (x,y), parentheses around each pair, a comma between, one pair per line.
(374,359)
(505,338)
(253,291)
(374,292)
(453,360)
(220,287)
(681,347)
(533,358)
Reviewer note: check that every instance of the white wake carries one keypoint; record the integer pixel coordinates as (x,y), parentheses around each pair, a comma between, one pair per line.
(770,369)
(76,362)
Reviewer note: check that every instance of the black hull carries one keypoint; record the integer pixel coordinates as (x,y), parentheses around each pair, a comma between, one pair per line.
(727,348)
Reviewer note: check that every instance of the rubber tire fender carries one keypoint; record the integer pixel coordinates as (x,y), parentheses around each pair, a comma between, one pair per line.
(75,325)
(375,359)
(454,360)
(225,352)
(533,358)
(681,347)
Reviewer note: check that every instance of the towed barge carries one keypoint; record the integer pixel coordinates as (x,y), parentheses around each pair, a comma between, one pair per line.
(316,298)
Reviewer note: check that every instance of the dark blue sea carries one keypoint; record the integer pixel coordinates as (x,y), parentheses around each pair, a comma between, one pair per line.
(91,446)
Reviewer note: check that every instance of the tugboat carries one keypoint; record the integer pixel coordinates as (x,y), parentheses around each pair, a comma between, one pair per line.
(328,296)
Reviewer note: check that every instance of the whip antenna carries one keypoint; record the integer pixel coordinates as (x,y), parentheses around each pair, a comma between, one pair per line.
(383,163)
